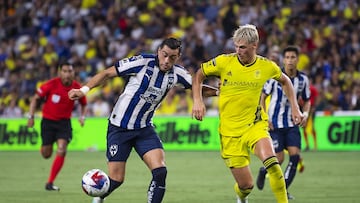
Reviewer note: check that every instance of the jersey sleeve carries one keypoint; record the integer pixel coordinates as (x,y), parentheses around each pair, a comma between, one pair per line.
(268,87)
(44,89)
(131,65)
(213,66)
(184,77)
(277,71)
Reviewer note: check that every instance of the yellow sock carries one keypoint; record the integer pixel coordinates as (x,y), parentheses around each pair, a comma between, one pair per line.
(242,193)
(277,181)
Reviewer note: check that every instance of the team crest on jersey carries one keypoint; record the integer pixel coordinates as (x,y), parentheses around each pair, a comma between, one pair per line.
(171,81)
(113,149)
(229,73)
(257,74)
(55,98)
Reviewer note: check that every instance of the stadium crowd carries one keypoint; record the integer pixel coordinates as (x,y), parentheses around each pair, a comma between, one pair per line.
(92,34)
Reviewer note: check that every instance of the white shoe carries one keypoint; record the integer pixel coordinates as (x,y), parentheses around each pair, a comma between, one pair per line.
(97,200)
(242,201)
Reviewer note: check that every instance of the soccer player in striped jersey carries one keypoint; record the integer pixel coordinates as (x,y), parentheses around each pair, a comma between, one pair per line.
(284,131)
(243,123)
(150,77)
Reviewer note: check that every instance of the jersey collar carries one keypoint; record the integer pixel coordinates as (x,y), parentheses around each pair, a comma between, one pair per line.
(247,65)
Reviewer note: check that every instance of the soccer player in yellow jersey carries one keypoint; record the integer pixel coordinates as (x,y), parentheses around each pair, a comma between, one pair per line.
(243,123)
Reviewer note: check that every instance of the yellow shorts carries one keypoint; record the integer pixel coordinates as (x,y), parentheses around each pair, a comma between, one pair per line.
(235,150)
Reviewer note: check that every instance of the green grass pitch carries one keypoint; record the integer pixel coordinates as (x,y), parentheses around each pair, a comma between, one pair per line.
(193,177)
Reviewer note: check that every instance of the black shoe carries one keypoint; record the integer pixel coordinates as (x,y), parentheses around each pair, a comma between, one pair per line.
(51,187)
(260,181)
(290,197)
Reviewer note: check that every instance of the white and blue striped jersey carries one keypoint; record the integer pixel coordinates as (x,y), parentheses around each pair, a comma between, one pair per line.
(279,109)
(147,86)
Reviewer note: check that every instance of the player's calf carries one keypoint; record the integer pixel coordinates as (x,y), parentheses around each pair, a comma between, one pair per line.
(290,170)
(276,177)
(157,185)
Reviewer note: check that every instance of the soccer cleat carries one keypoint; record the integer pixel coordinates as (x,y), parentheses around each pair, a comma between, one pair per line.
(51,187)
(242,201)
(301,165)
(290,197)
(260,181)
(97,200)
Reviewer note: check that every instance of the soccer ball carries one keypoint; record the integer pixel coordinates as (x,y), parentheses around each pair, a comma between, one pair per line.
(95,183)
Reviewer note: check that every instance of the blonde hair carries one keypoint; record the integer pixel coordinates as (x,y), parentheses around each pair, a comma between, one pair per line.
(246,32)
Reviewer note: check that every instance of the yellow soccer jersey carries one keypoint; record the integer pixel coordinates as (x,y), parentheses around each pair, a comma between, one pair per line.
(240,89)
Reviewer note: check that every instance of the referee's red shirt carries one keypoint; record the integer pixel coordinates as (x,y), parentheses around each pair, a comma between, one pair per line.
(57,104)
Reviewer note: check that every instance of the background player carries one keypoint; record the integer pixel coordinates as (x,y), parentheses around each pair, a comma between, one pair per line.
(283,130)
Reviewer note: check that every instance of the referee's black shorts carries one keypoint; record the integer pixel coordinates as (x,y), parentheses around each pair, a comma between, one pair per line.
(52,130)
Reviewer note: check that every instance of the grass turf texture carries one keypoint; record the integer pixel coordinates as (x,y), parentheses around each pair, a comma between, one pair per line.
(193,177)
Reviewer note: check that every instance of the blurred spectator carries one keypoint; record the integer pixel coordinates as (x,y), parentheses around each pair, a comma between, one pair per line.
(99,107)
(12,110)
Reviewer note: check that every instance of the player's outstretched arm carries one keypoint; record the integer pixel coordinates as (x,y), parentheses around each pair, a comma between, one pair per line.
(98,79)
(199,109)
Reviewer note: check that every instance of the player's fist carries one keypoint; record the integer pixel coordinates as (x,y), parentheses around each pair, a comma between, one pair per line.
(75,94)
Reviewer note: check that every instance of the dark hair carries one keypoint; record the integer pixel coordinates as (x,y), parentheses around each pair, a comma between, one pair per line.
(291,49)
(172,43)
(64,63)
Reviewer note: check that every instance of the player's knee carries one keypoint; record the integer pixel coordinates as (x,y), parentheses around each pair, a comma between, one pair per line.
(294,159)
(46,152)
(159,175)
(61,149)
(61,152)
(246,186)
(46,155)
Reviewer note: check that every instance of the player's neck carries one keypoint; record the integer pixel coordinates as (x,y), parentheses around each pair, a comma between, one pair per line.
(291,73)
(249,62)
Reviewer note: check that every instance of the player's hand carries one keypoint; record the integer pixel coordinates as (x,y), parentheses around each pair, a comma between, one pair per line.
(304,120)
(198,110)
(75,94)
(82,121)
(30,123)
(298,118)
